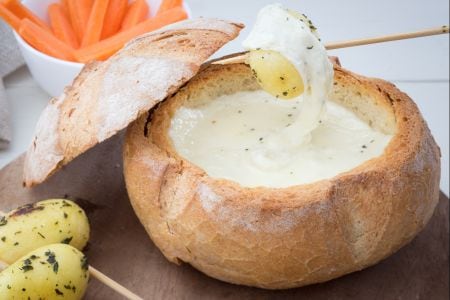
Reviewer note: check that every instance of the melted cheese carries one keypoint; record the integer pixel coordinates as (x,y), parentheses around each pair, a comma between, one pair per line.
(277,29)
(224,137)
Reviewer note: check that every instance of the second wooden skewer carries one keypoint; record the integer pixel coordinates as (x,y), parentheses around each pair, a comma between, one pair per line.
(358,42)
(113,285)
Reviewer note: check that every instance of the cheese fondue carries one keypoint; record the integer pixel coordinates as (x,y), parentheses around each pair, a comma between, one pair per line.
(221,136)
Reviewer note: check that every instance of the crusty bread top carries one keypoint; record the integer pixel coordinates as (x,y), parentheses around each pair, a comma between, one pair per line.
(108,96)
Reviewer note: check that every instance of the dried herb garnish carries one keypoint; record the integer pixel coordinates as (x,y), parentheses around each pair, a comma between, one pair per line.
(84,263)
(65,216)
(70,287)
(51,259)
(67,240)
(66,204)
(59,293)
(41,235)
(3,238)
(3,221)
(27,265)
(310,47)
(55,267)
(26,268)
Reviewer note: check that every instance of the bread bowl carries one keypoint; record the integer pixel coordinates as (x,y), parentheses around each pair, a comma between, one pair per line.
(277,238)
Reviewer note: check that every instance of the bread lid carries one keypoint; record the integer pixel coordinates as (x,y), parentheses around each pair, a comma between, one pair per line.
(107,96)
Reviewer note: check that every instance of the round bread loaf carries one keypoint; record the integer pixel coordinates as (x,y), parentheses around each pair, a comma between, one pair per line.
(290,237)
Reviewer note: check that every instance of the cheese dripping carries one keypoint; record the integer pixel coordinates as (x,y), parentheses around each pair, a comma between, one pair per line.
(294,36)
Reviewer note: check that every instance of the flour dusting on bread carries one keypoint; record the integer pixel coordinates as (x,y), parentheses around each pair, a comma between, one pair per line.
(123,95)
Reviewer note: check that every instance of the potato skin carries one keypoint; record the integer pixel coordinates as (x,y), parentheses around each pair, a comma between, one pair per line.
(276,74)
(47,222)
(55,271)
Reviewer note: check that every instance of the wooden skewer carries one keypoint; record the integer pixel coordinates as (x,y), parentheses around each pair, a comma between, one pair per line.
(113,285)
(353,43)
(97,275)
(388,38)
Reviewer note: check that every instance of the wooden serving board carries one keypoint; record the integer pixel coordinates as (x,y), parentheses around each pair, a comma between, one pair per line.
(120,248)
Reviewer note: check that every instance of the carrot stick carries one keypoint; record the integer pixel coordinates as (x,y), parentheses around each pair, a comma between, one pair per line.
(95,23)
(61,26)
(137,12)
(108,47)
(65,7)
(23,12)
(169,4)
(79,11)
(9,17)
(44,41)
(114,17)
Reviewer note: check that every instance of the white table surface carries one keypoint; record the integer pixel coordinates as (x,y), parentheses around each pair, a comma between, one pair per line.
(419,67)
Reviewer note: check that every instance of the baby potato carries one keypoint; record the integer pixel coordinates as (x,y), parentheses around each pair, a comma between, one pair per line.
(276,74)
(55,271)
(43,223)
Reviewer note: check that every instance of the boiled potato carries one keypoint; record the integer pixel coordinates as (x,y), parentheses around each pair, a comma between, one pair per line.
(43,223)
(55,271)
(276,74)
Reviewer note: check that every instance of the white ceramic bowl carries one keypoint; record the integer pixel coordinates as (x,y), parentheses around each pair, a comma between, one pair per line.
(53,74)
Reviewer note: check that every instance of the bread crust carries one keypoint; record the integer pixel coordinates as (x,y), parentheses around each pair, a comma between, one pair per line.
(290,237)
(107,96)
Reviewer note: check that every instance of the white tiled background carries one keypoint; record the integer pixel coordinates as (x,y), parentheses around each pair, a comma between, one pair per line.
(419,67)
